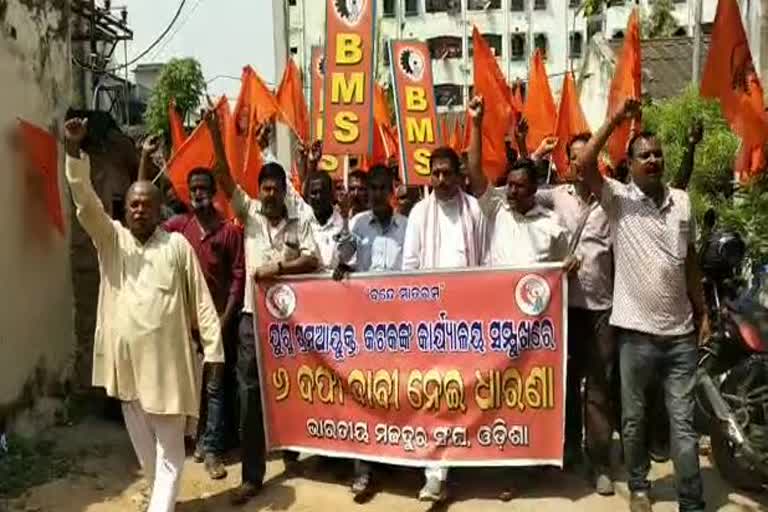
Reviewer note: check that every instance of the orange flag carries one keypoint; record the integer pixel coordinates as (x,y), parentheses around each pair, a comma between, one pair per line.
(177,127)
(291,101)
(570,122)
(41,152)
(517,99)
(385,144)
(197,151)
(540,110)
(626,83)
(730,76)
(255,105)
(490,83)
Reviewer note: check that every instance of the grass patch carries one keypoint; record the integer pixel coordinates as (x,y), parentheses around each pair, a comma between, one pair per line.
(30,462)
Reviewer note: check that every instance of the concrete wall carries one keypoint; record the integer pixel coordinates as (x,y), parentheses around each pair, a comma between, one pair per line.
(36,310)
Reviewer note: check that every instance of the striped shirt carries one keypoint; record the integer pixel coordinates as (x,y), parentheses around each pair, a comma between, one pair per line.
(650,245)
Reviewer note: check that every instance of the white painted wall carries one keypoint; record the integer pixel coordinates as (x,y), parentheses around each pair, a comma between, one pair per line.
(36,311)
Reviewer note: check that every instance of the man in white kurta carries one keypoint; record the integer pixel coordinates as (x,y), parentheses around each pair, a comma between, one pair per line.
(152,296)
(445,230)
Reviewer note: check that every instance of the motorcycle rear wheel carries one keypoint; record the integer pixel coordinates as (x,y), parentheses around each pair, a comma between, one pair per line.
(749,408)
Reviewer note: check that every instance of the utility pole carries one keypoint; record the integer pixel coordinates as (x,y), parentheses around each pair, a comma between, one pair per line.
(696,72)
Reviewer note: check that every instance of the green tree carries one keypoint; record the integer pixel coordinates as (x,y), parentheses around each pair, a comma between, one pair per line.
(661,22)
(180,80)
(670,119)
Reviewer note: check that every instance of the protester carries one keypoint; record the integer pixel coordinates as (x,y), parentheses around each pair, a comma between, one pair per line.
(407,197)
(522,232)
(277,242)
(376,245)
(446,229)
(591,344)
(218,245)
(152,295)
(658,307)
(357,192)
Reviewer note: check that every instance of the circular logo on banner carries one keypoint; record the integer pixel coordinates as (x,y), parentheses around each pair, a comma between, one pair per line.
(281,301)
(349,11)
(532,294)
(412,63)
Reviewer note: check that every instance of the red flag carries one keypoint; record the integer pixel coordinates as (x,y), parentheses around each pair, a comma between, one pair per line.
(626,83)
(730,76)
(540,110)
(570,122)
(293,105)
(456,134)
(178,135)
(197,151)
(42,154)
(490,83)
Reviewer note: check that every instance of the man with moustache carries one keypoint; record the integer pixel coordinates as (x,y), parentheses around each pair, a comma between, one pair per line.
(152,295)
(218,245)
(445,230)
(658,305)
(278,241)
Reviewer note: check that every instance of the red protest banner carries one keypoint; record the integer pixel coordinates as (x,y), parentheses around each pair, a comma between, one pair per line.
(413,368)
(328,163)
(411,68)
(349,77)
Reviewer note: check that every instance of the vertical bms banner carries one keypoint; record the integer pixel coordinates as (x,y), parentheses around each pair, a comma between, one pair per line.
(417,368)
(411,67)
(328,163)
(349,76)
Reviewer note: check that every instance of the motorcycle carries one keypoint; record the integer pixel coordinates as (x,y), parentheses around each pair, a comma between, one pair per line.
(732,378)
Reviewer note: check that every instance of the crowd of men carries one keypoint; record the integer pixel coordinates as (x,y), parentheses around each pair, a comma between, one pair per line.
(172,291)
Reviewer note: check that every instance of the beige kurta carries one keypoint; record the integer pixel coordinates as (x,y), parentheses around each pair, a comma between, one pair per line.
(151,297)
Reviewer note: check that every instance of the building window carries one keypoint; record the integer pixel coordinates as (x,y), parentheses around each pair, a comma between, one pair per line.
(517,5)
(292,3)
(517,47)
(386,52)
(483,5)
(389,8)
(616,3)
(577,45)
(619,34)
(449,6)
(680,32)
(447,95)
(593,27)
(540,43)
(574,4)
(411,7)
(493,40)
(294,50)
(540,5)
(445,47)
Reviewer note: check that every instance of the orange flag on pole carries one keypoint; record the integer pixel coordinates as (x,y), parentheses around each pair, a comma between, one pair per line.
(540,110)
(570,122)
(197,151)
(730,76)
(384,138)
(490,83)
(41,152)
(626,83)
(291,101)
(178,135)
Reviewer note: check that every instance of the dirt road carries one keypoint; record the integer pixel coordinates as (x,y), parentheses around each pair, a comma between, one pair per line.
(108,480)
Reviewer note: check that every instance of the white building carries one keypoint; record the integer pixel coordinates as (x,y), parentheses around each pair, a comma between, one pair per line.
(512,27)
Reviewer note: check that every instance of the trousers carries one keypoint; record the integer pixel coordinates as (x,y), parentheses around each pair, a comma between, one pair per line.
(158,441)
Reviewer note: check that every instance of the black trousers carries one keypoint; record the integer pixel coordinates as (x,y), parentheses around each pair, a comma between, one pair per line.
(252,442)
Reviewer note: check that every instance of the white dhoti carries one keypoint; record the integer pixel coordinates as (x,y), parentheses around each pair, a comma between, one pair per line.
(158,441)
(436,472)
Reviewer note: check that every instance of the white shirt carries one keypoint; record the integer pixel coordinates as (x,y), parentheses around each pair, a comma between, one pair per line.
(379,248)
(451,251)
(326,237)
(517,239)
